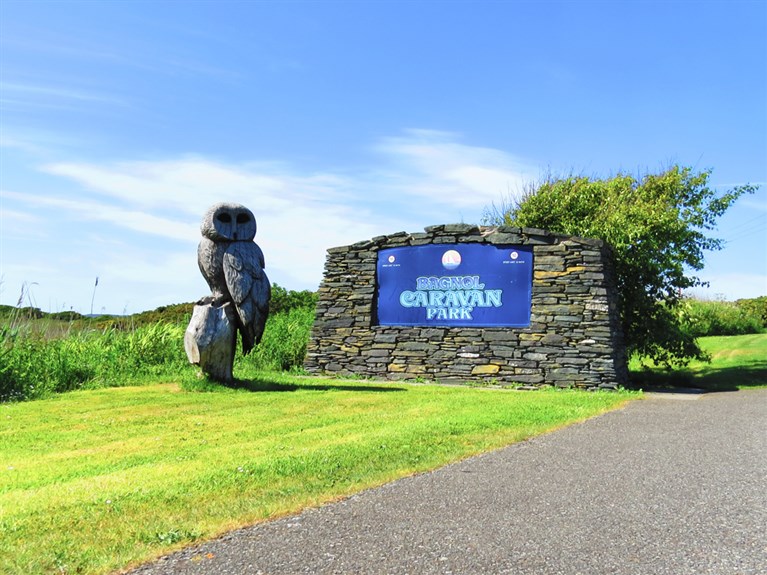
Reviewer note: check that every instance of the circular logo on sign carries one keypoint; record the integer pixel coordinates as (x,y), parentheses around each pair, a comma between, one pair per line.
(514,255)
(391,259)
(451,259)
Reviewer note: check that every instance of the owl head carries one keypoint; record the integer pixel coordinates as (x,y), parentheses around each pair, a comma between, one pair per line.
(226,222)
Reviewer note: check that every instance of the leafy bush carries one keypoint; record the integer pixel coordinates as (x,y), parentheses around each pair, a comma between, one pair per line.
(704,318)
(66,316)
(657,226)
(9,312)
(286,300)
(756,307)
(177,314)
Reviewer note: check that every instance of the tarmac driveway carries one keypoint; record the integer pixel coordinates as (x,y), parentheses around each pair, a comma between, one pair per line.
(662,486)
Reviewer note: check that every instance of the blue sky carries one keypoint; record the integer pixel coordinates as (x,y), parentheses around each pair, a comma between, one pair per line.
(121,121)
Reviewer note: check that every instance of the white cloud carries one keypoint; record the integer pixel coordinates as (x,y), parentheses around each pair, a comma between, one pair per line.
(754,204)
(435,165)
(430,178)
(19,224)
(26,91)
(17,217)
(191,184)
(98,211)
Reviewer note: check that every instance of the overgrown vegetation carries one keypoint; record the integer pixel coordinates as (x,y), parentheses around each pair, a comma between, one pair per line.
(657,226)
(42,354)
(93,481)
(701,318)
(33,365)
(286,300)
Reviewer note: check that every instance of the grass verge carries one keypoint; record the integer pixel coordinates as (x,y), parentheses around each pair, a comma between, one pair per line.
(737,362)
(96,480)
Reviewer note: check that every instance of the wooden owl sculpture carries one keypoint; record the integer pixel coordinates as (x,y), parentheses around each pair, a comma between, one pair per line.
(233,265)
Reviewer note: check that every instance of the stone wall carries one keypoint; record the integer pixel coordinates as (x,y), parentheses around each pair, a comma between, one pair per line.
(574,338)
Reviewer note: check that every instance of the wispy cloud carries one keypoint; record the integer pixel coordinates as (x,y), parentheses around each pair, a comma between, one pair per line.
(49,97)
(20,217)
(57,92)
(428,178)
(137,221)
(18,223)
(435,164)
(421,164)
(191,184)
(754,204)
(120,51)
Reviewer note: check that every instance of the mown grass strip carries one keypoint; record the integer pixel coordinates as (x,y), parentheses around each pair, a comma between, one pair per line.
(92,481)
(737,362)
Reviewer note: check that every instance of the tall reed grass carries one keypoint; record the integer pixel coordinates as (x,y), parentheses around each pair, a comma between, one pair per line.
(36,361)
(34,365)
(283,347)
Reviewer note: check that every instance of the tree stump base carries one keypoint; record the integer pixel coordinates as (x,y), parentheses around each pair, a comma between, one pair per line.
(210,340)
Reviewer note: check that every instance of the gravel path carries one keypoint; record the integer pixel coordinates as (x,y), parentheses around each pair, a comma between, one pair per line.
(660,487)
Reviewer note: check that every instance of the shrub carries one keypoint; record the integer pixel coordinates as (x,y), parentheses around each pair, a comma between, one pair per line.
(703,318)
(11,313)
(657,226)
(756,307)
(66,316)
(286,300)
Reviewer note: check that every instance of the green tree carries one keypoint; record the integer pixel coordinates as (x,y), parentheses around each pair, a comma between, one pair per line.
(657,226)
(284,300)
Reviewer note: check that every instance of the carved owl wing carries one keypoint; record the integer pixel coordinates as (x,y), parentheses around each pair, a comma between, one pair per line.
(250,290)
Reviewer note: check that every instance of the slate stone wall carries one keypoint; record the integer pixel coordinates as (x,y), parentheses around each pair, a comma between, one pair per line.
(574,338)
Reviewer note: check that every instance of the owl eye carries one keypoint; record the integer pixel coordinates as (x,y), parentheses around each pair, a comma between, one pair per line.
(243,218)
(224,218)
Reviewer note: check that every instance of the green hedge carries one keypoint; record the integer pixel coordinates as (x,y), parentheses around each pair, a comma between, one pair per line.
(704,318)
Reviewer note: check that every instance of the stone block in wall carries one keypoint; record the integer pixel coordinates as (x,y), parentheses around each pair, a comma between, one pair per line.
(461,229)
(501,239)
(504,352)
(523,363)
(573,313)
(471,240)
(487,369)
(529,379)
(537,240)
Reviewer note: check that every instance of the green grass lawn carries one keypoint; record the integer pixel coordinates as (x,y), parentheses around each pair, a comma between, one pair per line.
(737,362)
(94,481)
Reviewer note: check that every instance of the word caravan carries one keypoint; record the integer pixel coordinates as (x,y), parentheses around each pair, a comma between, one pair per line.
(450,298)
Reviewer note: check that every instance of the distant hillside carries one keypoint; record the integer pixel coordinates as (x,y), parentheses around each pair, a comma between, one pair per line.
(177,313)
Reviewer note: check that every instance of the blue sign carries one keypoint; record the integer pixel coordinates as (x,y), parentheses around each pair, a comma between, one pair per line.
(456,285)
